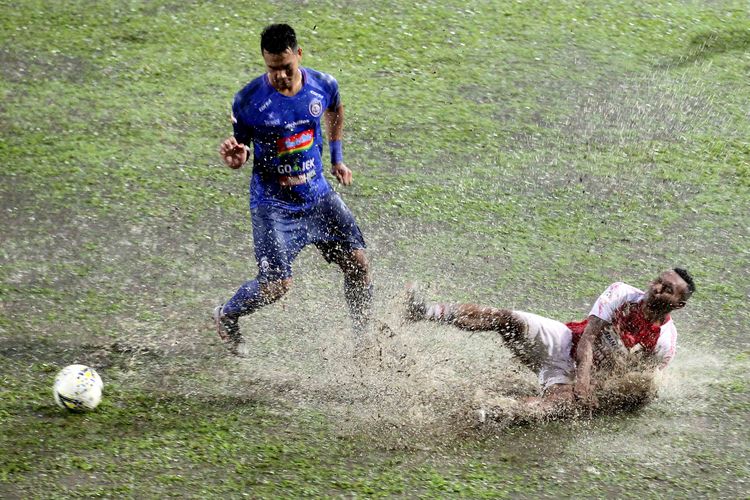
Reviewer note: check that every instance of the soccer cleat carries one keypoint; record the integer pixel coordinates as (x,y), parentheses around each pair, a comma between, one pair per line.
(229,332)
(416,308)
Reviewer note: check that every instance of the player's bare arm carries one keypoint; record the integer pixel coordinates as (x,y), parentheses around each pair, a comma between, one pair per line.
(584,356)
(335,128)
(233,153)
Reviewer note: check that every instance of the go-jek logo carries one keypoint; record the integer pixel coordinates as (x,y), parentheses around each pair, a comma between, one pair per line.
(296,143)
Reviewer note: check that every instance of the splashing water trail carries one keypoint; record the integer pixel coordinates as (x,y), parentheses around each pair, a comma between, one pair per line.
(405,378)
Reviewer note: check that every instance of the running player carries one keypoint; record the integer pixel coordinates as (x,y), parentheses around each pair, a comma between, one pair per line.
(291,203)
(623,321)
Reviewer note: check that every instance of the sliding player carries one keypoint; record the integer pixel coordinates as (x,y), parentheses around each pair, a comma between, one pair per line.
(622,322)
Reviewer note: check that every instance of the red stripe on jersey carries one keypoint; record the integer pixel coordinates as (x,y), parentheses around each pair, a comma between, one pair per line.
(630,324)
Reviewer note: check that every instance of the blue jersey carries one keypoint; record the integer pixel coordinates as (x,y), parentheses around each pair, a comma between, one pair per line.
(287,139)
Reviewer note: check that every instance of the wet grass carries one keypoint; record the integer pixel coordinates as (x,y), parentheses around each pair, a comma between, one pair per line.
(523,154)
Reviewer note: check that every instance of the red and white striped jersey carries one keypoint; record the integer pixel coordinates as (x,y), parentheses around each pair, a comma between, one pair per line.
(620,305)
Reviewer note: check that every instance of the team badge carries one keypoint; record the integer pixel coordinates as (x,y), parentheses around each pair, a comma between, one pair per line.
(316,108)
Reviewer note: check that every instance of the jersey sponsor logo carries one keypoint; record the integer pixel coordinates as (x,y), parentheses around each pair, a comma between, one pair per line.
(286,169)
(319,96)
(265,105)
(272,120)
(296,143)
(308,164)
(293,125)
(316,108)
(297,180)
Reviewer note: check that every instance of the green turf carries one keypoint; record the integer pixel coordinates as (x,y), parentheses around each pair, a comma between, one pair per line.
(530,152)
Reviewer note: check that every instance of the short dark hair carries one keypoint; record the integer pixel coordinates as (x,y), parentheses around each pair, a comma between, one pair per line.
(685,275)
(276,38)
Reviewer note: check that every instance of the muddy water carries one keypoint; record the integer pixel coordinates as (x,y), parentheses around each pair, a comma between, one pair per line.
(403,384)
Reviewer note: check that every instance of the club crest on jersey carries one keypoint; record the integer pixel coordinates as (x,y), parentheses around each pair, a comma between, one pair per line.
(296,143)
(316,108)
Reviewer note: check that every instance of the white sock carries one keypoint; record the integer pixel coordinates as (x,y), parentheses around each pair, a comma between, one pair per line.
(440,312)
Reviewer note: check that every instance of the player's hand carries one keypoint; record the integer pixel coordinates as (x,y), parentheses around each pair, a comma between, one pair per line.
(342,173)
(584,395)
(233,153)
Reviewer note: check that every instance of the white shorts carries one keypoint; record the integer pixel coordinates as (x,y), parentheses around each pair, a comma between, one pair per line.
(550,342)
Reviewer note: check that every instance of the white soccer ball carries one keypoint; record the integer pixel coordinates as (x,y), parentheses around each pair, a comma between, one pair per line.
(78,388)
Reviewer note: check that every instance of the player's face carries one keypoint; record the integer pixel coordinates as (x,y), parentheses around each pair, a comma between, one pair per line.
(282,68)
(667,292)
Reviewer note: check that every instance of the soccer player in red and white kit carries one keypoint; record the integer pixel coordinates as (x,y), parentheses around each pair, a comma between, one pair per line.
(623,320)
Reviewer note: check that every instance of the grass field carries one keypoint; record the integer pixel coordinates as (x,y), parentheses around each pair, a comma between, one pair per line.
(523,154)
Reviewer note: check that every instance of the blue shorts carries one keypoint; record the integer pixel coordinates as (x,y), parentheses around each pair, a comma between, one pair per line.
(280,235)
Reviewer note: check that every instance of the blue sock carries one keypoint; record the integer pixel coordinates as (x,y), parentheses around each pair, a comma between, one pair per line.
(246,300)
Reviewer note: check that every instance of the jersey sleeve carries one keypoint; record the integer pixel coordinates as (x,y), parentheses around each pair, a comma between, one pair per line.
(242,132)
(608,302)
(334,98)
(666,346)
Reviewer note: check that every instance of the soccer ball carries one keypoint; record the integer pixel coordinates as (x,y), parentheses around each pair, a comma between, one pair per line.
(78,388)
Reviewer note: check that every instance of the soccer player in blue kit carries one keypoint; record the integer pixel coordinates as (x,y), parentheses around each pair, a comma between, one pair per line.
(291,203)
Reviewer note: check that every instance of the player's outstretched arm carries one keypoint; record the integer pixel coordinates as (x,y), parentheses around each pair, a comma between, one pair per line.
(233,153)
(584,390)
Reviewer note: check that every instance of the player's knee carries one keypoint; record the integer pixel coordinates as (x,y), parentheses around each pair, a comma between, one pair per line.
(274,290)
(506,321)
(284,286)
(359,263)
(356,266)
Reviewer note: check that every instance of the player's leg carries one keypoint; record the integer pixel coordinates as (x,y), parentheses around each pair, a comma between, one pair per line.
(536,341)
(472,317)
(253,295)
(542,344)
(338,237)
(275,250)
(357,284)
